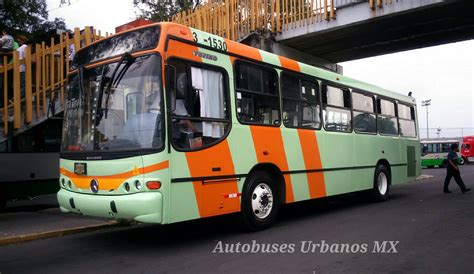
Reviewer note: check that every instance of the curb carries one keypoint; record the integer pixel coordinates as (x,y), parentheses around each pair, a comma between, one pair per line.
(54,233)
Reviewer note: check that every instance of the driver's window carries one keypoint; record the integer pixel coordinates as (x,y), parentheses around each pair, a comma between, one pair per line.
(257,94)
(198,102)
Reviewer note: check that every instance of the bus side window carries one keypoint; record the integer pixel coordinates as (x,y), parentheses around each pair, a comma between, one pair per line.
(300,102)
(387,117)
(406,118)
(337,109)
(364,113)
(257,94)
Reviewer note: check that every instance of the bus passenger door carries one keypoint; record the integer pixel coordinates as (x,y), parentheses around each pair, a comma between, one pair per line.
(199,123)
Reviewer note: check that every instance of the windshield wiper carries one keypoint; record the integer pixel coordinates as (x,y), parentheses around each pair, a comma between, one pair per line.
(114,81)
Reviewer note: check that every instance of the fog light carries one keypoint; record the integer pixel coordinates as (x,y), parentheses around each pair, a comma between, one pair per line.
(127,187)
(153,185)
(138,185)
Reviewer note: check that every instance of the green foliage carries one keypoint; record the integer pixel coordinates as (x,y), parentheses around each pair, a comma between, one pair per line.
(29,17)
(159,10)
(23,15)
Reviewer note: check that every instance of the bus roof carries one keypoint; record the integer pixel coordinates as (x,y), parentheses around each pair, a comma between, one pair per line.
(273,59)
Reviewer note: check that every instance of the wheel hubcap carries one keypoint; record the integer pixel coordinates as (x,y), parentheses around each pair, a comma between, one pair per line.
(382,183)
(262,201)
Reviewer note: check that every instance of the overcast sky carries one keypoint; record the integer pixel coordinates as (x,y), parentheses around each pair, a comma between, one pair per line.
(444,74)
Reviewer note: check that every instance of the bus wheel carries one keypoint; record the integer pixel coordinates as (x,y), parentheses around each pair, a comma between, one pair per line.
(430,166)
(380,191)
(260,201)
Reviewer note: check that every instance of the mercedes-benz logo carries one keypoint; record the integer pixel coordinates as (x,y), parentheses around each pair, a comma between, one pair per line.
(94,186)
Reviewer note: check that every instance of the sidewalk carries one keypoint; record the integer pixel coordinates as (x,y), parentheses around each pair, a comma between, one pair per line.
(39,219)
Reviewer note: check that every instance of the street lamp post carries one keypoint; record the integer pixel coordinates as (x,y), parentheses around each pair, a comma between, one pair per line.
(426,103)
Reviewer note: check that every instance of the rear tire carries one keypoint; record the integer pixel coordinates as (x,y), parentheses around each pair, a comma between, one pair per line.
(382,181)
(444,164)
(260,201)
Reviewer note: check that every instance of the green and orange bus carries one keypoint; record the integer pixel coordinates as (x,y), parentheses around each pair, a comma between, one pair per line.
(166,123)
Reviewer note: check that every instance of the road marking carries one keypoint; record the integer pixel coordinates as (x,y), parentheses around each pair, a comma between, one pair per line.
(421,177)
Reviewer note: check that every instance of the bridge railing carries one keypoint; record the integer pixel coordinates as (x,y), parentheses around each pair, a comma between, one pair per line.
(236,19)
(45,67)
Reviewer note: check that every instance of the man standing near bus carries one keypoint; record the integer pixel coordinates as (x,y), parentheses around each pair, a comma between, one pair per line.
(453,170)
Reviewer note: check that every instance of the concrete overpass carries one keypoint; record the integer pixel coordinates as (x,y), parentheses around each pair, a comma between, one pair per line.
(324,32)
(361,31)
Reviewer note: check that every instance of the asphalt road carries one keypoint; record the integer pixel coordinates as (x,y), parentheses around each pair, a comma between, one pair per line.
(435,234)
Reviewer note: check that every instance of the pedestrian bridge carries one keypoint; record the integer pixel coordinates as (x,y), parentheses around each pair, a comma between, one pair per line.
(46,65)
(336,30)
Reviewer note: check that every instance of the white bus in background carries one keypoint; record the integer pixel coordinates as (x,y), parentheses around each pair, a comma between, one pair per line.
(435,152)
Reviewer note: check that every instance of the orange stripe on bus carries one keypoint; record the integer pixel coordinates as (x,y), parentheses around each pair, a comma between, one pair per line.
(182,50)
(289,64)
(269,148)
(312,160)
(246,51)
(108,182)
(213,161)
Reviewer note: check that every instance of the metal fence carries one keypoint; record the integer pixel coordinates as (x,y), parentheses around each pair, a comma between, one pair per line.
(236,19)
(45,67)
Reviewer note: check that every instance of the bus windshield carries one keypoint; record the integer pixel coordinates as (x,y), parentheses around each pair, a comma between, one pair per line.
(116,106)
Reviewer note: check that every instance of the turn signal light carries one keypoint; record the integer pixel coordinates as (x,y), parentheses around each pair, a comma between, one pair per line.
(153,185)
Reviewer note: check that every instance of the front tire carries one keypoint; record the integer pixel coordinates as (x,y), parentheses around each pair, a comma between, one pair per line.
(382,180)
(260,201)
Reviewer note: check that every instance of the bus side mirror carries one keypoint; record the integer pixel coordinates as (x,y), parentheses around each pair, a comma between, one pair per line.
(170,78)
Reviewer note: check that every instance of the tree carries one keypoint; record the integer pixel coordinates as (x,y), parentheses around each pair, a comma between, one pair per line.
(23,15)
(47,29)
(159,10)
(29,17)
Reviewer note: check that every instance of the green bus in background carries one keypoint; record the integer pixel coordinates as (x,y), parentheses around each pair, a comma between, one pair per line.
(434,153)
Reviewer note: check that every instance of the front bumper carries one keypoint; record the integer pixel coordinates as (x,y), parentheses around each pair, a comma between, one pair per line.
(143,207)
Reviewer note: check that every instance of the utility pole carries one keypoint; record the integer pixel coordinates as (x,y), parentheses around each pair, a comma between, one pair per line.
(426,103)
